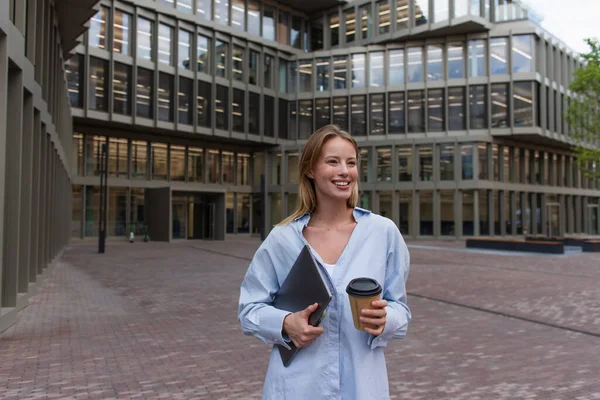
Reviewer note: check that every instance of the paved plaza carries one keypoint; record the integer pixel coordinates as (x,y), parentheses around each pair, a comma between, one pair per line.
(157,320)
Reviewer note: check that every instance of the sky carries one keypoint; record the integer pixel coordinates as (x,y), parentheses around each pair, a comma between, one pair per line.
(570,21)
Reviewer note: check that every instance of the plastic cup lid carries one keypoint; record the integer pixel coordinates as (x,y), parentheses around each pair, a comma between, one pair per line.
(363,287)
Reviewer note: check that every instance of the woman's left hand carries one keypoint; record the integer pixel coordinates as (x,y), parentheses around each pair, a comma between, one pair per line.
(376,317)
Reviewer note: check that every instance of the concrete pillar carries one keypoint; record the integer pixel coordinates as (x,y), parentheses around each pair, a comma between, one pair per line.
(35,198)
(3,120)
(13,188)
(25,203)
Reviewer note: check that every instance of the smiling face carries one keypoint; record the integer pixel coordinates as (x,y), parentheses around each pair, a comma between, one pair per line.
(336,172)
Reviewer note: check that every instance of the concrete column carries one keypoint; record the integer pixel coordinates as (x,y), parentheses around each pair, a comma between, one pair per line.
(512,211)
(25,203)
(543,214)
(502,204)
(13,188)
(476,219)
(35,198)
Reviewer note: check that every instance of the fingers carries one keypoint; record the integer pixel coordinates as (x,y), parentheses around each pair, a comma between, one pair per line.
(375,332)
(373,321)
(310,309)
(308,335)
(379,303)
(377,313)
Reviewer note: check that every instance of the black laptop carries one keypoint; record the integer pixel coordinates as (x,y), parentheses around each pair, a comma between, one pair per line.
(303,286)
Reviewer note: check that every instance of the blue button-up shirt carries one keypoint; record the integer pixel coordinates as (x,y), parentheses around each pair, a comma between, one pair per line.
(343,363)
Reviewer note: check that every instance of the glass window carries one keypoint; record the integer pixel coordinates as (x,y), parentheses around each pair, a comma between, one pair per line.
(158,154)
(484,221)
(293,133)
(77,160)
(461,8)
(185,50)
(358,112)
(227,166)
(254,17)
(165,40)
(456,61)
(456,108)
(254,113)
(295,32)
(415,64)
(384,164)
(447,213)
(145,93)
(498,55)
(139,156)
(421,12)
(93,151)
(213,165)
(122,33)
(222,11)
(269,74)
(426,163)
(98,85)
(440,10)
(269,23)
(204,8)
(350,18)
(292,76)
(363,173)
(466,157)
(500,105)
(222,108)
(482,152)
(283,33)
(436,110)
(269,116)
(282,76)
(334,29)
(340,112)
(396,113)
(383,10)
(185,94)
(116,211)
(435,64)
(401,14)
(340,69)
(523,103)
(405,163)
(283,119)
(203,55)
(476,7)
(74,72)
(365,20)
(396,67)
(97,32)
(322,65)
(185,6)
(316,35)
(478,107)
(117,157)
(243,169)
(522,53)
(237,63)
(165,97)
(293,172)
(195,164)
(177,163)
(305,109)
(322,111)
(77,213)
(221,58)
(377,114)
(203,105)
(405,212)
(477,58)
(376,68)
(358,70)
(416,111)
(446,162)
(253,67)
(122,89)
(238,11)
(305,75)
(168,3)
(144,39)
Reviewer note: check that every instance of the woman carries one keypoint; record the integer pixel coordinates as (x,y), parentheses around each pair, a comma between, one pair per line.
(337,361)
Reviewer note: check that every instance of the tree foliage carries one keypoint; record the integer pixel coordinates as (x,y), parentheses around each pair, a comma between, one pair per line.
(583,113)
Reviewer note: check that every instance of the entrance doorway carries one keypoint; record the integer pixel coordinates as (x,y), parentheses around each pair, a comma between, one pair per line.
(194,216)
(553,219)
(592,228)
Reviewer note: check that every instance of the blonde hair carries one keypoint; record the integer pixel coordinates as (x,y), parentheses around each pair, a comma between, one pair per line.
(307,197)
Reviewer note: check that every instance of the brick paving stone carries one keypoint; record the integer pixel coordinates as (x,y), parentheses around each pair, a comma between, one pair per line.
(158,321)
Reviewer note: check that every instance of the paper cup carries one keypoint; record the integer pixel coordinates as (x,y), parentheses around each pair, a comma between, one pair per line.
(361,292)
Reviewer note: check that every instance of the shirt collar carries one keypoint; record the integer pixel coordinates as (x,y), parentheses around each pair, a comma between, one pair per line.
(357,213)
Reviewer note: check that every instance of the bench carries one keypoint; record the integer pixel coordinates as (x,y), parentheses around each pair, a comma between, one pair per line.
(567,241)
(591,246)
(539,246)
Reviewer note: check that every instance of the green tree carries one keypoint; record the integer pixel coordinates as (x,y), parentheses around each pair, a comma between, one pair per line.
(583,113)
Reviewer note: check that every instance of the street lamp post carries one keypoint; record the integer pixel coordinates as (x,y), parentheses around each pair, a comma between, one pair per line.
(103,198)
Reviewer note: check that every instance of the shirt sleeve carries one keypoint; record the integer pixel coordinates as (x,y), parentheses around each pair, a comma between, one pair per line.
(398,313)
(255,313)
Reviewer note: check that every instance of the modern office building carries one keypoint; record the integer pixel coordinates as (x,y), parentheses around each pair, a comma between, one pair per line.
(36,133)
(456,104)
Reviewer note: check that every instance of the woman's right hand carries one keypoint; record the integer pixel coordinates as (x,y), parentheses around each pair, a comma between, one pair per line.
(296,326)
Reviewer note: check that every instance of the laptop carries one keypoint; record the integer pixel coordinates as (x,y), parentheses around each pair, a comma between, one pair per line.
(304,285)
